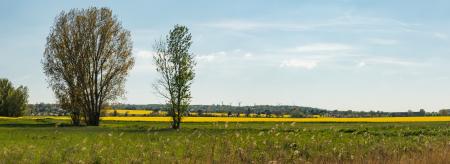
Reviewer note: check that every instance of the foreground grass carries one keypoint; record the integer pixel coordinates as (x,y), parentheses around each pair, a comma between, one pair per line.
(49,141)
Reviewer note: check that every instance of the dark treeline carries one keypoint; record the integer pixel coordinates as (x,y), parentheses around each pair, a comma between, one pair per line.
(234,110)
(254,111)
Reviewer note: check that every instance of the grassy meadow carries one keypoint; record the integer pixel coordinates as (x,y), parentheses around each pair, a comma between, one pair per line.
(26,140)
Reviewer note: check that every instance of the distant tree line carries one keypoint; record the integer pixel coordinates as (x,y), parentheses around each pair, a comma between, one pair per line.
(245,111)
(43,109)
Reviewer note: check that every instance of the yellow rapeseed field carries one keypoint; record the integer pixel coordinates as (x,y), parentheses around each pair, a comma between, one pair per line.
(130,112)
(245,119)
(250,119)
(1,117)
(148,112)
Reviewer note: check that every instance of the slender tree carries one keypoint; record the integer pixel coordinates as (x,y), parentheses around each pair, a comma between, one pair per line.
(176,64)
(86,60)
(13,101)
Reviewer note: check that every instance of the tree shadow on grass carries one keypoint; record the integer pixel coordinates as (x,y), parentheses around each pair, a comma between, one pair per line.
(145,129)
(24,125)
(38,125)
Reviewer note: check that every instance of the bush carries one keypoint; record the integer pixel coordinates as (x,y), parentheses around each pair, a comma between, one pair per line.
(13,101)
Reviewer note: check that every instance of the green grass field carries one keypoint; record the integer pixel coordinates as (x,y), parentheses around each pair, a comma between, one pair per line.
(52,141)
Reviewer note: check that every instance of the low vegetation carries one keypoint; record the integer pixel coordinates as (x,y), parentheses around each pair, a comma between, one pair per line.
(55,141)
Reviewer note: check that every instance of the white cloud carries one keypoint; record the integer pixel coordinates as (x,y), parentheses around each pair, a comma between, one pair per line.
(340,23)
(389,61)
(144,54)
(321,47)
(381,41)
(236,54)
(236,25)
(206,58)
(211,57)
(362,64)
(144,62)
(299,63)
(148,67)
(440,35)
(237,50)
(248,55)
(255,25)
(393,61)
(372,22)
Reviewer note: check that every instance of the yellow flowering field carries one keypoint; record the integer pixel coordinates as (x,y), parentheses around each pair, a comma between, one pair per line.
(148,112)
(246,119)
(250,119)
(130,112)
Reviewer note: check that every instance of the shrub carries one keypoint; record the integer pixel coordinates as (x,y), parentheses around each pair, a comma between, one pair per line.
(13,101)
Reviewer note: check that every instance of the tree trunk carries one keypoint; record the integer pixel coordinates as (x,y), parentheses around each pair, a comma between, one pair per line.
(93,122)
(75,120)
(179,123)
(176,123)
(93,119)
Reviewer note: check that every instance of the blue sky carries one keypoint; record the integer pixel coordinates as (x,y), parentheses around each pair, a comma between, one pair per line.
(342,54)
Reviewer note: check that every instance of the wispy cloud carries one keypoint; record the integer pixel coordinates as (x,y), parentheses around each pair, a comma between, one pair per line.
(344,22)
(388,61)
(440,35)
(248,55)
(144,61)
(144,54)
(321,47)
(362,64)
(299,63)
(206,58)
(381,41)
(308,57)
(211,57)
(372,23)
(393,61)
(222,56)
(245,25)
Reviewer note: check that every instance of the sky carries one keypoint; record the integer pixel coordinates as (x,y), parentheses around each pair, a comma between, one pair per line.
(333,54)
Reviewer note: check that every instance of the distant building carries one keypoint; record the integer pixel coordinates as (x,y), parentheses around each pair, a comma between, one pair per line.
(444,112)
(399,114)
(409,113)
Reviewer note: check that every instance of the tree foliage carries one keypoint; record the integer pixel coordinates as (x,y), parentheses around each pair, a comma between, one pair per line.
(13,101)
(86,60)
(176,65)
